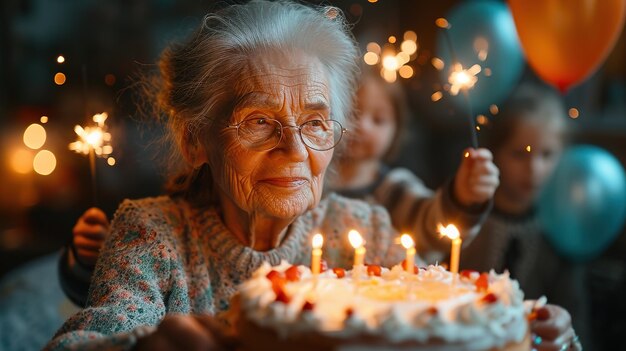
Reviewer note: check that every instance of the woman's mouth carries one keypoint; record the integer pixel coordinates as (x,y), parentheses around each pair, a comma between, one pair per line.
(286,182)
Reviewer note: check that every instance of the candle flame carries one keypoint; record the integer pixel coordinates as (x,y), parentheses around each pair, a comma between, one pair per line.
(355,239)
(450,231)
(407,241)
(318,241)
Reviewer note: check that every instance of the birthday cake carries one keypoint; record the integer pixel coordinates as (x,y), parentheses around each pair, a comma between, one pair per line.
(285,307)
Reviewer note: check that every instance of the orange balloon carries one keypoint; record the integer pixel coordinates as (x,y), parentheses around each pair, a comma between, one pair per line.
(566,40)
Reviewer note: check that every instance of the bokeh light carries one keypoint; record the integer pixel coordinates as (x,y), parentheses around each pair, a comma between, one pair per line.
(44,162)
(406,72)
(43,119)
(34,136)
(573,113)
(60,59)
(494,109)
(111,161)
(442,23)
(370,58)
(21,161)
(59,78)
(109,79)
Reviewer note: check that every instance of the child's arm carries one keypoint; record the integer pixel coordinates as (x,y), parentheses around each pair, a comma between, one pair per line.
(78,261)
(417,210)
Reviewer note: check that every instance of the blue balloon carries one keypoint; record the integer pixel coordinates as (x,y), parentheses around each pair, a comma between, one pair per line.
(472,25)
(583,205)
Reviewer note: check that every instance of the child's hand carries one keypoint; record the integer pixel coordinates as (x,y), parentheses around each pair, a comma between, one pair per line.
(477,178)
(89,234)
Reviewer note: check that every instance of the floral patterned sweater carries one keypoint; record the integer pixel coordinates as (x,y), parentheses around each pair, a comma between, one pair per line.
(165,256)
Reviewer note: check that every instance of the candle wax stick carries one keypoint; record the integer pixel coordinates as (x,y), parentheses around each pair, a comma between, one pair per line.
(455,256)
(316,260)
(410,260)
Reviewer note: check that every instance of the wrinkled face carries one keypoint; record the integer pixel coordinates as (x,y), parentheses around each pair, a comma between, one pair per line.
(523,172)
(287,180)
(375,123)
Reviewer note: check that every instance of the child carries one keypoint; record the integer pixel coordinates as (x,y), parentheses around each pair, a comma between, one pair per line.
(526,138)
(362,172)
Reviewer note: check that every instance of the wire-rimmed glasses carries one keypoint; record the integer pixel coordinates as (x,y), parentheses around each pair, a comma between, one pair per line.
(264,133)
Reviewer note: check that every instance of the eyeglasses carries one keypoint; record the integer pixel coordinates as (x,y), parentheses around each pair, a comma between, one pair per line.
(263,133)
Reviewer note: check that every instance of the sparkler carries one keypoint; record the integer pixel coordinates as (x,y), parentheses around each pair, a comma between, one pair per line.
(94,141)
(461,79)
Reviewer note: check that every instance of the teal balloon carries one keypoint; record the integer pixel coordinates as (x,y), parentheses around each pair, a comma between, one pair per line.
(583,205)
(490,22)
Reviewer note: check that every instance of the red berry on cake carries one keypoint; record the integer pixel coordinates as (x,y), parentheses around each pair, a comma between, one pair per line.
(272,275)
(292,273)
(308,306)
(467,273)
(349,312)
(374,269)
(339,272)
(490,298)
(281,296)
(482,283)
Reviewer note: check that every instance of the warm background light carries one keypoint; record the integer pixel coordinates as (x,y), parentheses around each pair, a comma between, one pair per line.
(370,58)
(494,109)
(44,162)
(43,119)
(35,136)
(59,78)
(573,113)
(60,59)
(21,161)
(111,161)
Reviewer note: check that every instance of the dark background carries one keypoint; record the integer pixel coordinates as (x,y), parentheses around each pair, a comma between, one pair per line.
(122,37)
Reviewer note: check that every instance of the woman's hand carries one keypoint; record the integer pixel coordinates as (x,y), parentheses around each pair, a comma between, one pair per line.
(476,179)
(186,332)
(89,234)
(552,330)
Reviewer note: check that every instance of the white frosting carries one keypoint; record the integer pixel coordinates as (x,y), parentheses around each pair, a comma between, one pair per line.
(396,306)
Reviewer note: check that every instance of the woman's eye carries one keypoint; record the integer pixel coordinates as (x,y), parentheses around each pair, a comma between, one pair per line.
(315,123)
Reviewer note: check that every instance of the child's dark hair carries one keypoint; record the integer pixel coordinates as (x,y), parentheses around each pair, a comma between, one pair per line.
(528,101)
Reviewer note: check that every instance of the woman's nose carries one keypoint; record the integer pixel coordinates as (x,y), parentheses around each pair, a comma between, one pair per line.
(292,143)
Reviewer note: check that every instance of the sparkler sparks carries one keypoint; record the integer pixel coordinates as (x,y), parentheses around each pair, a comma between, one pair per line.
(93,138)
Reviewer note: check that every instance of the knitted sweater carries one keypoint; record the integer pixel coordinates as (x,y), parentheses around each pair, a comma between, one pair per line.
(165,256)
(416,209)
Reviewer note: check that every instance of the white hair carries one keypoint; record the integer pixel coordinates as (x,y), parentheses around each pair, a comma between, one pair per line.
(199,75)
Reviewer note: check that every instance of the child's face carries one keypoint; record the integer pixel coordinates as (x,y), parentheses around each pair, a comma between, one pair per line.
(523,172)
(375,123)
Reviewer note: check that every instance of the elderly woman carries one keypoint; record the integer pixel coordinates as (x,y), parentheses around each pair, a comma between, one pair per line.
(255,103)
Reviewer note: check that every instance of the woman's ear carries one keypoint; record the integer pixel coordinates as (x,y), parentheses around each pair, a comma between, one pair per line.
(194,152)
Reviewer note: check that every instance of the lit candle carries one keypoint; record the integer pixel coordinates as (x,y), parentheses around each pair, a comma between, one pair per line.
(455,254)
(359,250)
(357,243)
(409,245)
(316,256)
